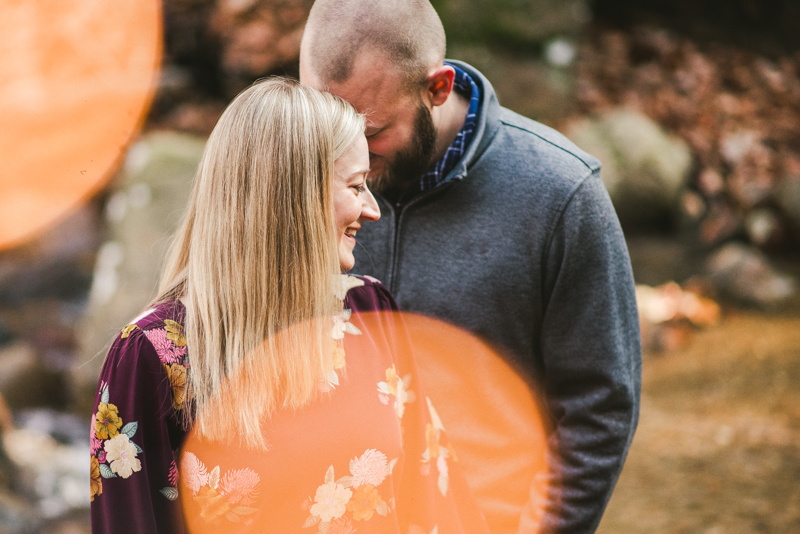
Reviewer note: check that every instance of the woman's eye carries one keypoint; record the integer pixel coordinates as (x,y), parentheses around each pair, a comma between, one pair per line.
(360,188)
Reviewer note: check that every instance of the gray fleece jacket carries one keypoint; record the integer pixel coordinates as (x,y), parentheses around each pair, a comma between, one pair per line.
(521,245)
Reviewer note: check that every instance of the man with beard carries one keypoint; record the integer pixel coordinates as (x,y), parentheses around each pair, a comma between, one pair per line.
(497,224)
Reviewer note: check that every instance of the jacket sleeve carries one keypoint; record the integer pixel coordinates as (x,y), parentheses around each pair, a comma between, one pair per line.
(591,361)
(134,477)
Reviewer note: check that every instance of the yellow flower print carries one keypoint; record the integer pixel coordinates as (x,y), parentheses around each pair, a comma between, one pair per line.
(338,356)
(391,380)
(127,330)
(107,421)
(175,333)
(364,502)
(433,441)
(436,453)
(212,503)
(398,387)
(96,481)
(178,381)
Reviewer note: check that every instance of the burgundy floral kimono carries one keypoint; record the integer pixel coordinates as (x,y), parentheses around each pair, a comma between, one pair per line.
(371,456)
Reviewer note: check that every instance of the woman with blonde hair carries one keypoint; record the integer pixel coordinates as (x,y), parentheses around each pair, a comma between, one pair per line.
(263,391)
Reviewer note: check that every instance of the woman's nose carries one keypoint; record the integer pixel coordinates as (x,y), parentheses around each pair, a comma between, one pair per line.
(370,210)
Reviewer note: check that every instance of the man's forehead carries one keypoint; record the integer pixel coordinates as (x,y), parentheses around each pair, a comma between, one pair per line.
(373,88)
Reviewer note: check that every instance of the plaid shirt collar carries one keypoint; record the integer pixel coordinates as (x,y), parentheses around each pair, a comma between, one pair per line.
(466,87)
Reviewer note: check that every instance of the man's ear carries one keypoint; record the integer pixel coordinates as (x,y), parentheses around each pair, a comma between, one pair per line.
(439,84)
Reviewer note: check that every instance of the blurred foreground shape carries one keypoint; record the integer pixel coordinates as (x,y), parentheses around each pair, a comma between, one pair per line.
(68,111)
(143,211)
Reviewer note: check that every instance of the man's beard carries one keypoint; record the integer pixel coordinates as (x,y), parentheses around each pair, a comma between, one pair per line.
(410,163)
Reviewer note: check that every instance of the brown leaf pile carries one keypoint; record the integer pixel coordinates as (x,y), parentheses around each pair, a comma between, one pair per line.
(739,112)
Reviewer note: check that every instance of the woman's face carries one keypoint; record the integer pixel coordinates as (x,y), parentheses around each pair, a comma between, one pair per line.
(352,202)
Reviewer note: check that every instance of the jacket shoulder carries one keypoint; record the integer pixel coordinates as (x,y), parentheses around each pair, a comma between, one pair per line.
(554,147)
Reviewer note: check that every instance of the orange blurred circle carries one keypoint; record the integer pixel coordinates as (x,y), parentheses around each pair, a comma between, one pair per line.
(493,418)
(76,80)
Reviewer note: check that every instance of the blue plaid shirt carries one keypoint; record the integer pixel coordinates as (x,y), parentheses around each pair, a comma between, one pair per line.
(466,87)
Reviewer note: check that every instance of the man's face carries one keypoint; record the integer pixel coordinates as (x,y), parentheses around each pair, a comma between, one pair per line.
(400,131)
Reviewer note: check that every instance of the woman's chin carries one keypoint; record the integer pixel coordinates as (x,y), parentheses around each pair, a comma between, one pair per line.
(346,265)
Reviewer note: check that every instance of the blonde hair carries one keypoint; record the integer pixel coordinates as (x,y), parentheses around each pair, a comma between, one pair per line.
(255,259)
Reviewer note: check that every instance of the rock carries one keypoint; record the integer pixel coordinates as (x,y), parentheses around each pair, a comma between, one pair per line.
(644,168)
(59,484)
(56,263)
(25,380)
(787,195)
(763,228)
(5,335)
(742,273)
(145,208)
(513,22)
(17,516)
(527,85)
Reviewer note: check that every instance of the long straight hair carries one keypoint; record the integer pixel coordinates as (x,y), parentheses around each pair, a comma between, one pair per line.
(255,258)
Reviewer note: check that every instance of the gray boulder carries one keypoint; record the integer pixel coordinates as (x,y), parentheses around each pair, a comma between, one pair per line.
(145,209)
(18,516)
(742,273)
(644,167)
(521,22)
(787,195)
(25,379)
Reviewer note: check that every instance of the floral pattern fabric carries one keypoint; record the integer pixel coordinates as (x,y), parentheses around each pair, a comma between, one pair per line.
(136,426)
(370,457)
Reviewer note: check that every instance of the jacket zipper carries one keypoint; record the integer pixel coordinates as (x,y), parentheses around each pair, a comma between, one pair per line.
(399,210)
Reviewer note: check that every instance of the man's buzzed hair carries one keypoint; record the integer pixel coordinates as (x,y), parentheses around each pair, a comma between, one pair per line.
(408,32)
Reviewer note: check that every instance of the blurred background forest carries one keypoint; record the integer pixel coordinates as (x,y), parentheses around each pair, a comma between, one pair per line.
(693,109)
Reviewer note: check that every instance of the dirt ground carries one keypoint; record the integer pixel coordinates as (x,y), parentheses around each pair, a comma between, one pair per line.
(717,449)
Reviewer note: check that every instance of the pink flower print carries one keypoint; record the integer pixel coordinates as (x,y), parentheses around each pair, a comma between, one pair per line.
(195,475)
(101,457)
(173,473)
(95,443)
(371,468)
(167,352)
(240,485)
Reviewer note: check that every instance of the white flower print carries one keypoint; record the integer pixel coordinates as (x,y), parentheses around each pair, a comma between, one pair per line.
(370,468)
(330,501)
(344,283)
(121,455)
(240,485)
(341,325)
(193,472)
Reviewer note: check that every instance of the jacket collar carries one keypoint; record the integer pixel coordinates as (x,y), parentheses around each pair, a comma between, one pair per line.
(486,125)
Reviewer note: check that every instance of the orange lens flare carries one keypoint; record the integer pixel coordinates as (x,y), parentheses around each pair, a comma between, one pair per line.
(327,465)
(76,80)
(492,417)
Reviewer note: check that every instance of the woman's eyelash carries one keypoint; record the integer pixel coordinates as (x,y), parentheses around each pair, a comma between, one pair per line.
(360,188)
